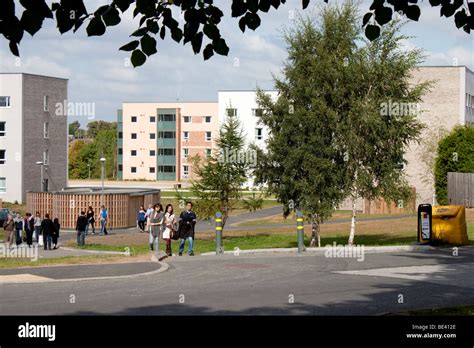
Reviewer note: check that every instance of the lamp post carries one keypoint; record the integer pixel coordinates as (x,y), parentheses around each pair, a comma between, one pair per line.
(40,163)
(102,161)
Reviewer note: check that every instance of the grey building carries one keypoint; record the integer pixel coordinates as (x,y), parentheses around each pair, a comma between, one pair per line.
(33,134)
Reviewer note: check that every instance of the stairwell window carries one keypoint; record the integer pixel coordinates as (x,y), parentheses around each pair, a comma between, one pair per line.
(46,103)
(2,129)
(4,102)
(46,130)
(2,156)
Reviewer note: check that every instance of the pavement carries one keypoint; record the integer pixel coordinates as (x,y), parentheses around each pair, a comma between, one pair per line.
(252,284)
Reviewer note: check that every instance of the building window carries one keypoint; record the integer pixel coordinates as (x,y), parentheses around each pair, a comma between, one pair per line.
(188,119)
(120,135)
(166,135)
(258,133)
(167,152)
(207,119)
(3,185)
(167,117)
(120,151)
(186,135)
(231,112)
(152,119)
(152,153)
(152,170)
(257,112)
(185,153)
(167,169)
(45,103)
(134,118)
(46,130)
(152,136)
(185,171)
(2,156)
(134,135)
(208,136)
(4,102)
(120,168)
(208,153)
(2,129)
(133,152)
(45,157)
(133,169)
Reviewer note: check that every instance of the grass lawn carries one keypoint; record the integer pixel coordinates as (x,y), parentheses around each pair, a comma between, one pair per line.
(66,260)
(460,310)
(17,208)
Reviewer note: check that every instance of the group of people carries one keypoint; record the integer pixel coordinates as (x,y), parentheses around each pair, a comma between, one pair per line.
(86,219)
(159,223)
(20,229)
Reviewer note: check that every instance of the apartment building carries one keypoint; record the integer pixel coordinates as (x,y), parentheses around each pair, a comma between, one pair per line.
(33,135)
(156,140)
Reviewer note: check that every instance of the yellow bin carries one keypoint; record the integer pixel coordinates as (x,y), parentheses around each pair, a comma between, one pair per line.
(449,224)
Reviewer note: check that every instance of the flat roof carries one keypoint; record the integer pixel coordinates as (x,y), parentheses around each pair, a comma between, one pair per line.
(22,73)
(97,190)
(170,102)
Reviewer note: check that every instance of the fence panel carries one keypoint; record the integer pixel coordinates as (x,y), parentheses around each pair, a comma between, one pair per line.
(461,189)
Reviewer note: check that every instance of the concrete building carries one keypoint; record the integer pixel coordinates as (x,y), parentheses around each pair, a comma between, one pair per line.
(32,131)
(155,140)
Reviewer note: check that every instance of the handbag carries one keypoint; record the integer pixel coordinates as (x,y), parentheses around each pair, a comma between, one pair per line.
(40,240)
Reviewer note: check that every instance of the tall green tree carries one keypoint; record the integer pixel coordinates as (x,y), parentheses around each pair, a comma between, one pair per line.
(94,127)
(455,154)
(220,179)
(74,127)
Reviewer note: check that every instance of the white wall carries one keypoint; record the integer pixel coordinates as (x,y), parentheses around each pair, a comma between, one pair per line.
(11,85)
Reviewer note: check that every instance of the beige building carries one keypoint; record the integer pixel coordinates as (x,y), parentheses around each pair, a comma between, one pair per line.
(155,140)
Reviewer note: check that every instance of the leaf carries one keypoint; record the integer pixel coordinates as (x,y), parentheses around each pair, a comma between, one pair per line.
(196,42)
(152,26)
(220,47)
(252,20)
(14,48)
(176,34)
(305,4)
(130,46)
(123,5)
(367,17)
(138,58)
(413,12)
(208,52)
(31,21)
(242,24)
(372,32)
(460,18)
(140,31)
(96,27)
(111,17)
(148,45)
(383,15)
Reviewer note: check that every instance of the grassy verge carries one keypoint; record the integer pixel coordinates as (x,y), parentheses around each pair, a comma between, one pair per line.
(460,310)
(66,260)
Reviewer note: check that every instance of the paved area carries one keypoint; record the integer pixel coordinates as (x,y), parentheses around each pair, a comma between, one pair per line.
(263,284)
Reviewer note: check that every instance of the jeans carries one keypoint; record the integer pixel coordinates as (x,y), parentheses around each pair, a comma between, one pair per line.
(154,240)
(47,241)
(37,233)
(81,237)
(190,245)
(19,237)
(93,227)
(141,225)
(103,228)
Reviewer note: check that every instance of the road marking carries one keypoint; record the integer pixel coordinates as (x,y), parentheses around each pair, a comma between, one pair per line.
(22,278)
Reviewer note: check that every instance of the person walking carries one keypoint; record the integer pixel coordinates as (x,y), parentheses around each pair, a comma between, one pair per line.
(90,220)
(141,218)
(47,230)
(156,221)
(9,227)
(147,216)
(103,216)
(81,225)
(57,226)
(29,228)
(18,229)
(37,225)
(187,222)
(169,228)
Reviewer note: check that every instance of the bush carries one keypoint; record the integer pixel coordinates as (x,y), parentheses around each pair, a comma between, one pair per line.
(455,154)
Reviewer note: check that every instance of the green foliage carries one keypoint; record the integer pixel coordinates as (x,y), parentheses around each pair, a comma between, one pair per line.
(455,154)
(94,127)
(201,19)
(74,127)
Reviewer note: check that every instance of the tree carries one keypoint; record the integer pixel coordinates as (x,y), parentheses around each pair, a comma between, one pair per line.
(455,154)
(106,145)
(94,127)
(302,165)
(201,20)
(220,179)
(74,127)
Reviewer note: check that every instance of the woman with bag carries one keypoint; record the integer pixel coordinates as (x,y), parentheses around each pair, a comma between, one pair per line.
(170,228)
(156,222)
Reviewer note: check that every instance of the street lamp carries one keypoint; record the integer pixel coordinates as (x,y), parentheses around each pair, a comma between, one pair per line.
(102,161)
(40,163)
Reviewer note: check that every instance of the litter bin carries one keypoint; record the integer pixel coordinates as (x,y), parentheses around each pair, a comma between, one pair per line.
(449,224)
(424,222)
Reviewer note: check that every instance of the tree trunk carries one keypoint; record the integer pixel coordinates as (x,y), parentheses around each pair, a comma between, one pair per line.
(353,221)
(315,235)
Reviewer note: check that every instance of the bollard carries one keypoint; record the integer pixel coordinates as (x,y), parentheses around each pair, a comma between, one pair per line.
(219,249)
(300,230)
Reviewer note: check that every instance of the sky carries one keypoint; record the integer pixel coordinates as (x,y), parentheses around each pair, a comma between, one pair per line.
(101,75)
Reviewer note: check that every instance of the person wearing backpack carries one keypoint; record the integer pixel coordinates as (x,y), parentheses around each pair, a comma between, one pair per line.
(141,218)
(18,229)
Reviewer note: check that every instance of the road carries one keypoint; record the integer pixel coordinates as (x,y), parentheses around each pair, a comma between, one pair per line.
(261,284)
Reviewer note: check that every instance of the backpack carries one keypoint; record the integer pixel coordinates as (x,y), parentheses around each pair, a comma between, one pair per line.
(141,216)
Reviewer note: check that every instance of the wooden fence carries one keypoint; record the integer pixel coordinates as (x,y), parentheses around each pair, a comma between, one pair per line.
(461,189)
(380,206)
(122,208)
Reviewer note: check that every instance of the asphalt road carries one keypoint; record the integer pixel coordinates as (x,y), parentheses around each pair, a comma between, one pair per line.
(263,284)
